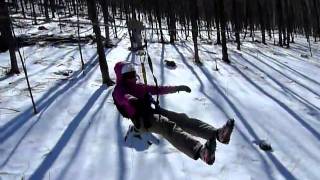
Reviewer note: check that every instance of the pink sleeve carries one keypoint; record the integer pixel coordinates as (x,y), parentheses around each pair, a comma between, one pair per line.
(123,100)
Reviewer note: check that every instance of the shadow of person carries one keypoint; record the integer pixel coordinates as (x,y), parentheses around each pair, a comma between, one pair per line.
(140,142)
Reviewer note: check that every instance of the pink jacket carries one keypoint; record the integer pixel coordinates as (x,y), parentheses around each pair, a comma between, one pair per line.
(122,93)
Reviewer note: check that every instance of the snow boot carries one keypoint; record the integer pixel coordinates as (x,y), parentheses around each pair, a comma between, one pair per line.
(207,151)
(134,131)
(224,133)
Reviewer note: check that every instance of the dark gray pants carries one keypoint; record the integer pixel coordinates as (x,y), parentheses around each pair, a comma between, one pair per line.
(179,130)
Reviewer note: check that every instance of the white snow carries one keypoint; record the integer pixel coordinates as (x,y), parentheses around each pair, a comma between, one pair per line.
(273,93)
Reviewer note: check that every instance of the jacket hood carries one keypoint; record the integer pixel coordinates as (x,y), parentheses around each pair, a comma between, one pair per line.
(118,69)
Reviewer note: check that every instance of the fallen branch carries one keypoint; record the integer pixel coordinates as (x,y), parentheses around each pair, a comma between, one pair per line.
(11,109)
(55,39)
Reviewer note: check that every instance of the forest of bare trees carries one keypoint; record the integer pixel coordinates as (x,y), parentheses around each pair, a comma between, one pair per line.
(227,20)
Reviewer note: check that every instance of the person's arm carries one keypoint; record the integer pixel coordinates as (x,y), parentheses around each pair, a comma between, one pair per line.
(154,90)
(125,101)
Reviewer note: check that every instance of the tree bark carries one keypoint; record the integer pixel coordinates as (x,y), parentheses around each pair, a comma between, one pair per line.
(78,31)
(105,13)
(236,25)
(171,24)
(22,8)
(262,22)
(6,31)
(46,10)
(92,11)
(159,21)
(34,14)
(52,7)
(280,20)
(223,32)
(218,32)
(194,24)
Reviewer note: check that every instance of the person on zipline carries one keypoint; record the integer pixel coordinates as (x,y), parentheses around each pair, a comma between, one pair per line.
(132,101)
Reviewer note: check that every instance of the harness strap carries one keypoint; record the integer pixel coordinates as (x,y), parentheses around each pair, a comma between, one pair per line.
(152,72)
(143,69)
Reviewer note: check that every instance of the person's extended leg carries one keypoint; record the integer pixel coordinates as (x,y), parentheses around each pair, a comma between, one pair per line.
(175,135)
(179,138)
(199,128)
(191,125)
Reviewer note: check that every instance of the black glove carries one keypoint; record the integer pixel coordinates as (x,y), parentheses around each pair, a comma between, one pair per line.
(183,88)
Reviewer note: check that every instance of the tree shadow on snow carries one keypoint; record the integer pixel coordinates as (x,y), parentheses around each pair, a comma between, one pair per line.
(281,168)
(122,171)
(42,169)
(6,76)
(47,99)
(83,135)
(313,131)
(286,91)
(312,108)
(42,104)
(282,65)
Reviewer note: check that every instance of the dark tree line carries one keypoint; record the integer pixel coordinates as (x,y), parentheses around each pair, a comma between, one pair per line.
(230,20)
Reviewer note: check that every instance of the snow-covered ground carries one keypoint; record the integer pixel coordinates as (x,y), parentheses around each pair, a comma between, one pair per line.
(273,93)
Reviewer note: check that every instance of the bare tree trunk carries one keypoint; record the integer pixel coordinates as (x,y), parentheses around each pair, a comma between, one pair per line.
(262,22)
(157,30)
(195,40)
(217,21)
(218,32)
(22,8)
(186,28)
(7,29)
(15,5)
(46,10)
(237,34)
(40,7)
(171,21)
(236,23)
(159,21)
(280,20)
(79,45)
(317,19)
(223,32)
(92,11)
(52,7)
(209,30)
(105,13)
(194,24)
(75,9)
(199,29)
(252,31)
(34,13)
(292,38)
(114,24)
(5,26)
